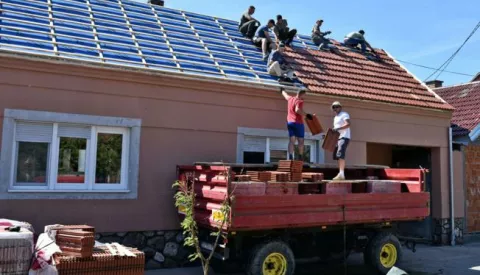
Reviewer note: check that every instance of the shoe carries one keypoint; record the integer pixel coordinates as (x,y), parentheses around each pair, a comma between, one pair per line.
(339,177)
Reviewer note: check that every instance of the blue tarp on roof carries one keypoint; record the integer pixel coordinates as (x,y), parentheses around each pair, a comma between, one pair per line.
(132,34)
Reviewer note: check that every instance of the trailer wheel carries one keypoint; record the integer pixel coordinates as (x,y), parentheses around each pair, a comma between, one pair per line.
(272,258)
(383,252)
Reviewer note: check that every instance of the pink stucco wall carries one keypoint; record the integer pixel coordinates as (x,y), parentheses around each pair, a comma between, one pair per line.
(185,121)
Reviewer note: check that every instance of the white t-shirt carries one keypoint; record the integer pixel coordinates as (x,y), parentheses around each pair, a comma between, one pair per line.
(339,121)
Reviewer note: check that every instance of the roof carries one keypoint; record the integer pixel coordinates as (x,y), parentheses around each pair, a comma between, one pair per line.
(352,74)
(150,37)
(476,77)
(466,100)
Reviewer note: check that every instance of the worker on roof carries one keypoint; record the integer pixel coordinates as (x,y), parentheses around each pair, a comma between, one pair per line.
(262,38)
(295,126)
(282,31)
(248,25)
(318,37)
(354,38)
(341,124)
(278,66)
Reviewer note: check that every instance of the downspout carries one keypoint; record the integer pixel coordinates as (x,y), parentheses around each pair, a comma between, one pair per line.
(452,209)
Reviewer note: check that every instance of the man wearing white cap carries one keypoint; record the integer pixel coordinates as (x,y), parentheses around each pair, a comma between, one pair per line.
(341,124)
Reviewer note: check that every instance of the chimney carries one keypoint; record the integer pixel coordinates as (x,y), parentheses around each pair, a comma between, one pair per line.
(434,83)
(157,2)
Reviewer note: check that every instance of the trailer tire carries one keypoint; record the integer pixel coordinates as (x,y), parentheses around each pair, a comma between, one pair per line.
(274,257)
(383,252)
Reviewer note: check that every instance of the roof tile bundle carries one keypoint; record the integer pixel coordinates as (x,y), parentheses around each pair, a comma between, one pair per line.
(312,177)
(290,166)
(280,176)
(330,141)
(243,178)
(262,176)
(75,242)
(101,262)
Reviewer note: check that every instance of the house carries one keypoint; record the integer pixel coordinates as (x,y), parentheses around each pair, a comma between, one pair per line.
(466,144)
(101,100)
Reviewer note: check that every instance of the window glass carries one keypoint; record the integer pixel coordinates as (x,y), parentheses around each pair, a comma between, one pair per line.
(32,163)
(72,160)
(109,158)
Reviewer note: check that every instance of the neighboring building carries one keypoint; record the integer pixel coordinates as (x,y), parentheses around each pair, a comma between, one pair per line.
(466,143)
(95,122)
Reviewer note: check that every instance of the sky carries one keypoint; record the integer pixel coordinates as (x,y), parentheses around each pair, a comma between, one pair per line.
(425,32)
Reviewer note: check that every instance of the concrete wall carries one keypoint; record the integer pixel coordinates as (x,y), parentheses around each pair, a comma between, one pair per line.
(185,121)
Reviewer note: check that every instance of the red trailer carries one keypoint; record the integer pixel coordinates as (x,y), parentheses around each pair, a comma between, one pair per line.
(271,222)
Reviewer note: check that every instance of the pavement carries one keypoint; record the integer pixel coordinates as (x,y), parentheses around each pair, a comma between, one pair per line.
(428,260)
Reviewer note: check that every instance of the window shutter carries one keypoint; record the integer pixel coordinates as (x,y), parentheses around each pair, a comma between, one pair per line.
(33,132)
(74,131)
(254,144)
(278,144)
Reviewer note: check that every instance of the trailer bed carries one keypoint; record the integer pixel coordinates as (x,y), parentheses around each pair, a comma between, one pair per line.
(254,208)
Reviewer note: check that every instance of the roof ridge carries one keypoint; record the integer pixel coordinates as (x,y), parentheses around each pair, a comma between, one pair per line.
(457,85)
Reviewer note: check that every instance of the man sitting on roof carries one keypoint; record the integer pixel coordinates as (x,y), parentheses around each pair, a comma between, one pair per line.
(262,38)
(354,38)
(278,66)
(248,25)
(318,37)
(282,31)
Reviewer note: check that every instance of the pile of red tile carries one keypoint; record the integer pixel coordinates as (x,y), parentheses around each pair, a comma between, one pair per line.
(294,167)
(80,256)
(262,176)
(312,177)
(102,262)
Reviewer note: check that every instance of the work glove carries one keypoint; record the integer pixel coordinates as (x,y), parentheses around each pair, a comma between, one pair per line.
(328,32)
(309,116)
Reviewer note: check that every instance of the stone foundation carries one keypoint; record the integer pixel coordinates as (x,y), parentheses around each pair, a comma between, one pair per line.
(163,249)
(442,231)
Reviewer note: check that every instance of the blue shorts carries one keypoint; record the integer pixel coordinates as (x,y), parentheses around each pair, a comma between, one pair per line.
(341,149)
(296,129)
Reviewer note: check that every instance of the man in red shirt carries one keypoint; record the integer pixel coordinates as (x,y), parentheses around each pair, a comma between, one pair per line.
(296,128)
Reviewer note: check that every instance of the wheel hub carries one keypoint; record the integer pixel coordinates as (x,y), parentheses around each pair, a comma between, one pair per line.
(275,264)
(388,255)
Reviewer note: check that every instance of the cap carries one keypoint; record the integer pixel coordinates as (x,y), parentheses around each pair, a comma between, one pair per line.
(336,103)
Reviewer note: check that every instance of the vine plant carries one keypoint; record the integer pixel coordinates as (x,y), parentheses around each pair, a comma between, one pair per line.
(185,199)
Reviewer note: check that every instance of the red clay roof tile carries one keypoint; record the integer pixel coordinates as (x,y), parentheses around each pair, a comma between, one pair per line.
(351,74)
(466,100)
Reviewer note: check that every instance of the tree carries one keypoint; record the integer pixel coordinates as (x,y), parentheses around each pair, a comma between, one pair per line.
(185,200)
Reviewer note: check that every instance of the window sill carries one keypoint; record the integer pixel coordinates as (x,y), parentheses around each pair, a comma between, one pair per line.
(66,191)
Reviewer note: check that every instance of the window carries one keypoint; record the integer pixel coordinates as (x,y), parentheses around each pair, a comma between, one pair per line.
(255,146)
(53,152)
(61,156)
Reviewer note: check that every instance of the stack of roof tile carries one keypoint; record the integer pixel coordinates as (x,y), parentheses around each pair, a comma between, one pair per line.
(312,177)
(262,176)
(75,242)
(294,167)
(280,176)
(102,262)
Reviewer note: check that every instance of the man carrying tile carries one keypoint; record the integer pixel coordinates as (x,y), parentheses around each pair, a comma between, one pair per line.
(295,126)
(353,39)
(341,124)
(248,25)
(318,37)
(278,66)
(282,31)
(262,38)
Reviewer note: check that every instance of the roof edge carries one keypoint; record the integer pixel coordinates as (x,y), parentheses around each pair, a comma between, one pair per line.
(456,85)
(415,77)
(117,67)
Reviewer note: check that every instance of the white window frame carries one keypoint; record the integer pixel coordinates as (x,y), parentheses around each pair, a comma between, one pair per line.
(316,153)
(127,188)
(123,166)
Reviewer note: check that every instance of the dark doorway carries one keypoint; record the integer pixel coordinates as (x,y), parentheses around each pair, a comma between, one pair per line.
(414,158)
(254,157)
